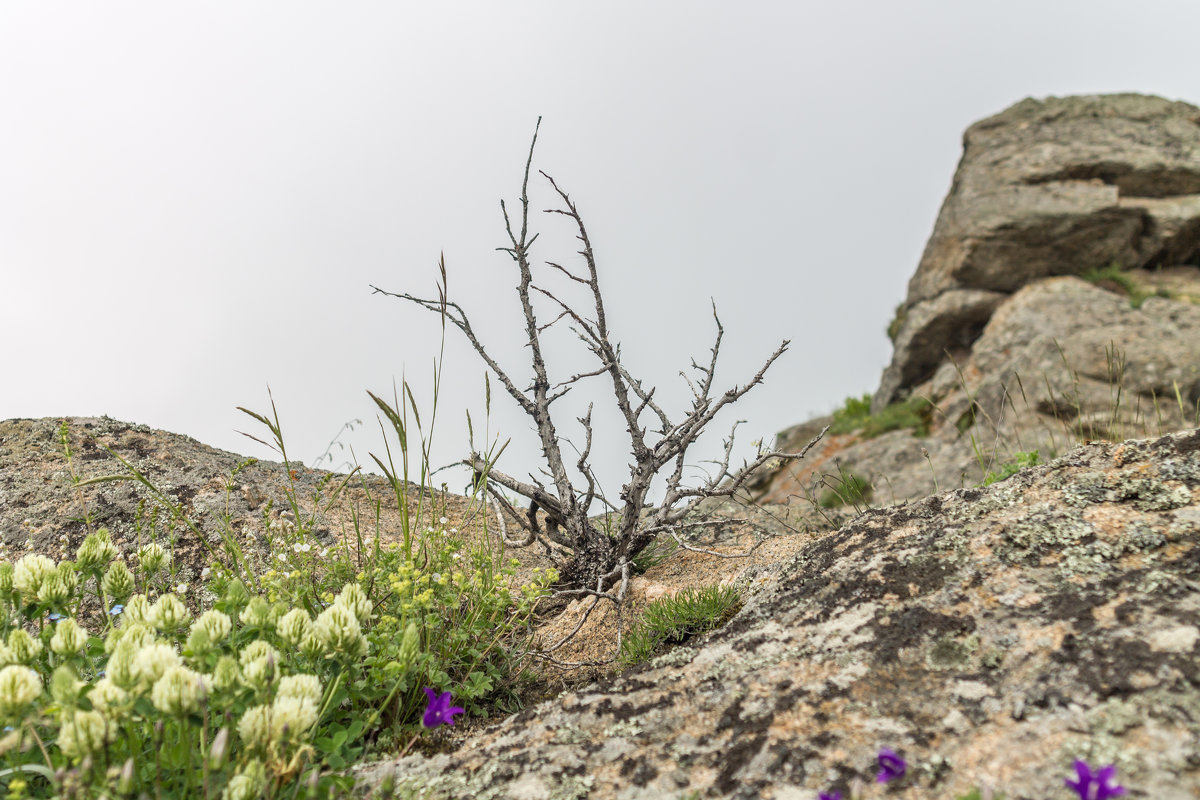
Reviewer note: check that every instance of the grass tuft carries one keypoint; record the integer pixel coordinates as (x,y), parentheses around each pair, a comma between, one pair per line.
(673,620)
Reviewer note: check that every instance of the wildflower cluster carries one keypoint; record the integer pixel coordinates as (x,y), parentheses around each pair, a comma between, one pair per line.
(252,694)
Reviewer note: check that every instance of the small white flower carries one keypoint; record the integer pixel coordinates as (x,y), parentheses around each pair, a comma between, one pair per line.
(442,521)
(182,588)
(204,573)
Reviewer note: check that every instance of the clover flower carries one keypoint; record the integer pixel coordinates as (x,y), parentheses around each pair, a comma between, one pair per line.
(120,669)
(65,686)
(138,634)
(439,711)
(57,588)
(294,626)
(153,558)
(1094,786)
(247,784)
(353,598)
(311,646)
(410,645)
(257,614)
(96,550)
(300,686)
(138,611)
(106,697)
(338,629)
(214,623)
(68,638)
(226,674)
(118,581)
(258,649)
(19,686)
(168,613)
(178,691)
(29,572)
(891,766)
(24,647)
(6,655)
(292,717)
(153,660)
(83,732)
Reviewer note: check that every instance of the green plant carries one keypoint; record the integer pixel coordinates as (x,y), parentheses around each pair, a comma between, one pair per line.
(856,416)
(1115,276)
(299,663)
(850,489)
(1006,470)
(672,620)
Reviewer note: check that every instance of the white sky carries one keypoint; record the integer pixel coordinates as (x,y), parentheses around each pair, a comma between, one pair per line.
(194,196)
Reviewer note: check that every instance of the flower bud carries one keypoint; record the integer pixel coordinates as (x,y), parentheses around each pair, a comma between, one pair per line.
(23,646)
(69,639)
(410,645)
(65,686)
(152,558)
(256,615)
(226,674)
(169,614)
(236,594)
(219,749)
(118,581)
(125,783)
(6,580)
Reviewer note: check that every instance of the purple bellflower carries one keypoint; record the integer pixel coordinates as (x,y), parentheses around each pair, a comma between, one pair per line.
(439,711)
(891,766)
(834,796)
(1094,786)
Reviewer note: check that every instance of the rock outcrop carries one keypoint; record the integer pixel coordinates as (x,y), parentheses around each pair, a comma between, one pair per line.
(1048,187)
(986,635)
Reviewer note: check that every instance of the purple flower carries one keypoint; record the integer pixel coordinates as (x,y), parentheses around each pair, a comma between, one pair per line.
(1084,785)
(834,796)
(891,766)
(439,710)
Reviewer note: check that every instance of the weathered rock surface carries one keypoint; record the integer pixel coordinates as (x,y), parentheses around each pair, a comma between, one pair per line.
(986,635)
(1049,187)
(1060,361)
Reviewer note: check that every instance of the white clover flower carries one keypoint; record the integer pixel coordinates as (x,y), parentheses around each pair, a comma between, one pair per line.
(137,610)
(214,623)
(68,638)
(168,613)
(29,572)
(118,581)
(259,674)
(311,646)
(353,598)
(256,650)
(294,626)
(300,686)
(257,614)
(338,629)
(179,690)
(153,660)
(107,697)
(153,558)
(83,732)
(24,647)
(96,550)
(6,655)
(138,634)
(57,587)
(255,726)
(291,718)
(19,686)
(248,784)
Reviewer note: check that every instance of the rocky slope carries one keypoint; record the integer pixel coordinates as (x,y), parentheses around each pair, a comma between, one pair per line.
(988,636)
